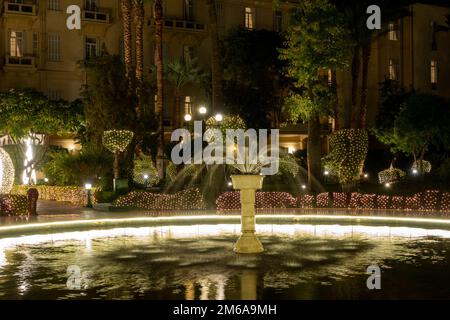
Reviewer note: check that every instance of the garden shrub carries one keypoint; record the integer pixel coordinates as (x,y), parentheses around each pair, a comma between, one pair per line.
(428,200)
(445,201)
(397,202)
(13,204)
(73,194)
(230,200)
(305,201)
(368,201)
(348,152)
(340,200)
(323,200)
(189,199)
(391,175)
(355,198)
(382,202)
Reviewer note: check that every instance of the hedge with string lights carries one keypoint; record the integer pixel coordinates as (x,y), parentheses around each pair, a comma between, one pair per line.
(348,153)
(74,194)
(189,199)
(13,204)
(264,200)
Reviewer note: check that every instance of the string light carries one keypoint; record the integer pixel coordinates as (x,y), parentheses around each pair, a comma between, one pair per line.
(189,199)
(73,194)
(117,140)
(421,164)
(6,172)
(230,200)
(390,175)
(13,204)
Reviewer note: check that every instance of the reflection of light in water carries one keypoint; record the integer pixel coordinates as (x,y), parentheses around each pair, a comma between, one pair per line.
(2,256)
(174,232)
(221,282)
(204,289)
(24,273)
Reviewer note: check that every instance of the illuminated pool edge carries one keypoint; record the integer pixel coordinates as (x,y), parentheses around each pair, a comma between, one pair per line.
(103,222)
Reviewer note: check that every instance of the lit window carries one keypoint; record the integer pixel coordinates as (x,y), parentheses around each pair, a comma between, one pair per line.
(394,68)
(249,18)
(91,48)
(188,105)
(53,4)
(16,44)
(393,31)
(434,74)
(277,21)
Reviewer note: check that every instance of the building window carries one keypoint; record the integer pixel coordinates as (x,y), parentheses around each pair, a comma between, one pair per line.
(277,21)
(188,10)
(393,31)
(54,47)
(394,69)
(35,44)
(90,5)
(16,43)
(188,105)
(53,4)
(249,18)
(91,48)
(219,12)
(434,74)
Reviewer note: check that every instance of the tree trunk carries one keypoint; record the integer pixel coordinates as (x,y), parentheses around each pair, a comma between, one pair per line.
(336,102)
(314,150)
(216,66)
(366,51)
(139,19)
(177,116)
(355,80)
(159,86)
(127,43)
(116,165)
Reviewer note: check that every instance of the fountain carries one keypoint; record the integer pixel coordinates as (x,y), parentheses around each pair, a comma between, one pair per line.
(248,184)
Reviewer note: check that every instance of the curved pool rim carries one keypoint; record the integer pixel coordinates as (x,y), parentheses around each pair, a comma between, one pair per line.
(189,220)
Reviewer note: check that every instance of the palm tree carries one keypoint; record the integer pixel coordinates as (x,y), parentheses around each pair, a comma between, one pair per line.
(180,73)
(139,16)
(159,85)
(216,66)
(126,9)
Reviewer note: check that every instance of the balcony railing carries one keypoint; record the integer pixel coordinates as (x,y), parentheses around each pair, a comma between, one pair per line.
(100,16)
(184,25)
(25,61)
(20,8)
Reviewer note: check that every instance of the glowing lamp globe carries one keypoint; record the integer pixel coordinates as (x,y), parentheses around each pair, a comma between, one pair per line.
(6,172)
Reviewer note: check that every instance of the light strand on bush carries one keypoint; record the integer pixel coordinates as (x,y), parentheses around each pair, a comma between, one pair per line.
(117,140)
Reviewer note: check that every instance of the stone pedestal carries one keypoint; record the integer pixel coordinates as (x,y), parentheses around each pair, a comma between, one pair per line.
(247,184)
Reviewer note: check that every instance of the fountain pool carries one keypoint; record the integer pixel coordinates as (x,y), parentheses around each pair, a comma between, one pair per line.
(187,258)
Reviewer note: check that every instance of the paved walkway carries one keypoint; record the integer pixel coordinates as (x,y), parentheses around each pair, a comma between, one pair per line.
(46,207)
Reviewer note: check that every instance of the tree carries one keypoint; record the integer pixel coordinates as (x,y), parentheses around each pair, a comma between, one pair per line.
(139,16)
(126,9)
(30,118)
(421,120)
(253,76)
(317,42)
(159,86)
(180,73)
(361,38)
(216,67)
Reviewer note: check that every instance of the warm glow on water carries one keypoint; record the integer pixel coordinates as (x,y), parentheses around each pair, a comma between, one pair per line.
(301,261)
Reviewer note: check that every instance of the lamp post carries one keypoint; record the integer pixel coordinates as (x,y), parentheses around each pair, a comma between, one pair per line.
(88,188)
(146,181)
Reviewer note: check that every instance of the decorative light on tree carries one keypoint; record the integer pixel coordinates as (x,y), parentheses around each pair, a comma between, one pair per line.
(6,172)
(117,141)
(29,173)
